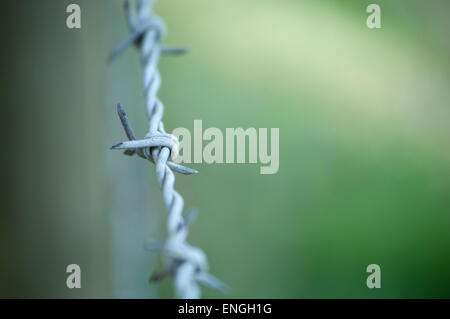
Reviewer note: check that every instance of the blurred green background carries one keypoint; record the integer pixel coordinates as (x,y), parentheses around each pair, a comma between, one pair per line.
(364,148)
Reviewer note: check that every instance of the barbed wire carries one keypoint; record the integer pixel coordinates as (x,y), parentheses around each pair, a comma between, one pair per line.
(186,263)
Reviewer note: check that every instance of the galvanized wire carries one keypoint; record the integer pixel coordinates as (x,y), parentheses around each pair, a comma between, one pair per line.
(186,263)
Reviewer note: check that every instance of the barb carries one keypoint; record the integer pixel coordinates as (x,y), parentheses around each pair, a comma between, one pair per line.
(187,264)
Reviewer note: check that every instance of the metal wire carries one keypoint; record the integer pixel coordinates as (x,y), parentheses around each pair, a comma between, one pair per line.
(186,263)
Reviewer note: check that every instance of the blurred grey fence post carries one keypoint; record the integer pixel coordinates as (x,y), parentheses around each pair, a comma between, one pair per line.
(186,263)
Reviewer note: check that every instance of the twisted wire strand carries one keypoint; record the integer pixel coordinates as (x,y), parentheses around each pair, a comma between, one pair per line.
(186,263)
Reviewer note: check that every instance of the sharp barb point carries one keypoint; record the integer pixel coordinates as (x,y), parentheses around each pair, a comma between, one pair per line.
(114,147)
